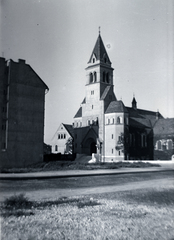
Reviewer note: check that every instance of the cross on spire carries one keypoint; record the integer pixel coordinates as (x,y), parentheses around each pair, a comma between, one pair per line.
(99,29)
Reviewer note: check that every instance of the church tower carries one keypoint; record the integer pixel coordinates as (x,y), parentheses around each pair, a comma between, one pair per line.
(89,120)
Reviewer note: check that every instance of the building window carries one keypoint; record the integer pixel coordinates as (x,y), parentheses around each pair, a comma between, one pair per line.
(4,146)
(143,140)
(92,106)
(92,92)
(64,135)
(88,122)
(90,78)
(113,120)
(93,60)
(95,76)
(56,148)
(119,153)
(112,136)
(118,120)
(112,150)
(104,76)
(159,145)
(169,144)
(58,136)
(107,77)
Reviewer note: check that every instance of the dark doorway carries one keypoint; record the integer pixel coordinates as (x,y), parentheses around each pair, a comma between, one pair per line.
(93,148)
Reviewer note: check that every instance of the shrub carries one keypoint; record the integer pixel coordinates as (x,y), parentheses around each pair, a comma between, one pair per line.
(17,202)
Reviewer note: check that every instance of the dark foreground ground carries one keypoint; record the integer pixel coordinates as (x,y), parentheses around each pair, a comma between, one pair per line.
(133,206)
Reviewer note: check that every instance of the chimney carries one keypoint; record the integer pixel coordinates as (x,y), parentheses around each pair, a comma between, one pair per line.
(157,115)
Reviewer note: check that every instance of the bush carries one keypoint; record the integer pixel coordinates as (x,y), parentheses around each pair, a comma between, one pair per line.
(17,202)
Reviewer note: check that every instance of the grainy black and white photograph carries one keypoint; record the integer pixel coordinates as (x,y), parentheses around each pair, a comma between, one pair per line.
(87,119)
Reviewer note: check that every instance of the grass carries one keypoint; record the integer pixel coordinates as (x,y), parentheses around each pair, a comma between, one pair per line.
(77,165)
(139,214)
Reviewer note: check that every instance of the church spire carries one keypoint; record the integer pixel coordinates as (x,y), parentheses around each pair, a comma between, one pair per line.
(99,52)
(134,102)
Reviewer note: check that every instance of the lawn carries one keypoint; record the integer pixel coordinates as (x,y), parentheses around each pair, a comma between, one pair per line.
(77,165)
(138,214)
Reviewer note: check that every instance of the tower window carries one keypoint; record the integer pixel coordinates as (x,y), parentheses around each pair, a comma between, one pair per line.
(95,76)
(104,76)
(107,77)
(90,77)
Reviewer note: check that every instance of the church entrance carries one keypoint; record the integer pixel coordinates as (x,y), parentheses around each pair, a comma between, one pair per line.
(93,148)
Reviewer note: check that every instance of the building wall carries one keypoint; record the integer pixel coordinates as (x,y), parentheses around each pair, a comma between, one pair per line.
(25,130)
(113,131)
(163,147)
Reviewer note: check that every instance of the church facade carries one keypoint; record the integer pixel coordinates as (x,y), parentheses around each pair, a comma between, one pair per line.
(104,125)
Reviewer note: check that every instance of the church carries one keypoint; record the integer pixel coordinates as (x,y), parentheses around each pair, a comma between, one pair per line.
(112,131)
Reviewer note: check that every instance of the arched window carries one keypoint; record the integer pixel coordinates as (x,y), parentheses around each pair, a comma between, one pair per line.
(169,144)
(118,120)
(104,76)
(56,148)
(90,78)
(159,145)
(107,77)
(93,60)
(95,77)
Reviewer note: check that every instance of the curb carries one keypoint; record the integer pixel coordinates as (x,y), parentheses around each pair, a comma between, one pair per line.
(80,174)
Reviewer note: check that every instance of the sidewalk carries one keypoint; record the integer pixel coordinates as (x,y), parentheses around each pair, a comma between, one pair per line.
(81,173)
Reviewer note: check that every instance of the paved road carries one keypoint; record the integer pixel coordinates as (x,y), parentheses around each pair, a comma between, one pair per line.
(50,189)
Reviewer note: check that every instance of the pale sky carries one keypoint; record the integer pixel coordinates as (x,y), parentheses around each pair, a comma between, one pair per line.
(56,37)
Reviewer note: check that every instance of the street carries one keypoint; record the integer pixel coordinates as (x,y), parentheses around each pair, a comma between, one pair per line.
(50,189)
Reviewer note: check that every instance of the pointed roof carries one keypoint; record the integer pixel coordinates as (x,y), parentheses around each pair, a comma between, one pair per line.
(134,101)
(164,127)
(99,51)
(69,128)
(79,113)
(116,106)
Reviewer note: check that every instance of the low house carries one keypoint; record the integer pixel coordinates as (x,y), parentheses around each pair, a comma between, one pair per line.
(62,141)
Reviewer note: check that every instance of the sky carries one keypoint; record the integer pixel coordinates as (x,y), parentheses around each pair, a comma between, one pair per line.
(56,38)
